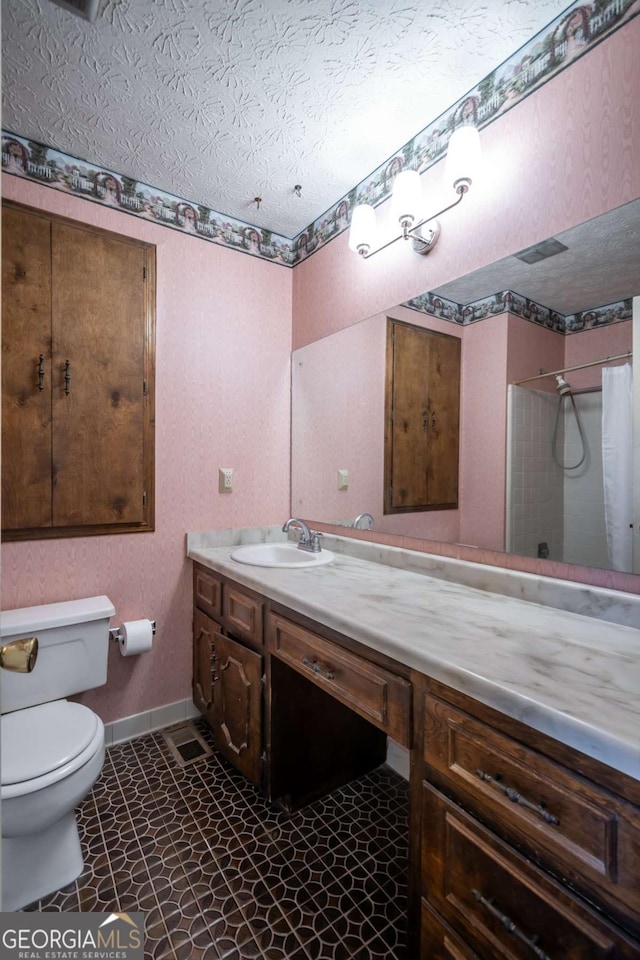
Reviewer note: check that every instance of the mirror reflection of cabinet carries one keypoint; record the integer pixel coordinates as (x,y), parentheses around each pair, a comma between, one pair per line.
(422,415)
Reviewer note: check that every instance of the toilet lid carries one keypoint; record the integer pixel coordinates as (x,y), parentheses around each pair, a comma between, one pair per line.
(40,739)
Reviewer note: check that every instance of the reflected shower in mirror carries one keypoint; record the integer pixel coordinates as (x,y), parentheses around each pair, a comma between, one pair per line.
(530,313)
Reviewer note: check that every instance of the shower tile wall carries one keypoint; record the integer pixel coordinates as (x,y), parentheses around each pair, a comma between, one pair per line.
(585,540)
(563,508)
(535,496)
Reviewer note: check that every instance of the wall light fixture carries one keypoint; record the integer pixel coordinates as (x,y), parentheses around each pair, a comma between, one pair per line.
(463,160)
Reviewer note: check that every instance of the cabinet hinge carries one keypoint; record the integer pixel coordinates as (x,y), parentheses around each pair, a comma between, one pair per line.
(144,498)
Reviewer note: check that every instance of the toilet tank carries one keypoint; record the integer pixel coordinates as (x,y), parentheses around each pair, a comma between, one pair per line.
(73,645)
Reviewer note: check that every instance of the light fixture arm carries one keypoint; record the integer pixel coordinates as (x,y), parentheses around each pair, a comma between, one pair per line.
(412,232)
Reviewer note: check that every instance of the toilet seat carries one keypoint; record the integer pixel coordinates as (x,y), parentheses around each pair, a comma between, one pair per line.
(42,745)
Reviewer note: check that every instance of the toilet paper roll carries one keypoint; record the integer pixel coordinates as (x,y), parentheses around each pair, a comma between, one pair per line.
(137,637)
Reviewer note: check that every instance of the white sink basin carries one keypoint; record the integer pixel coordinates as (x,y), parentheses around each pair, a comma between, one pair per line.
(280,555)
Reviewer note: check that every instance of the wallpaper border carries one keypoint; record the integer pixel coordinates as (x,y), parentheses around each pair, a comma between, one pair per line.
(507,301)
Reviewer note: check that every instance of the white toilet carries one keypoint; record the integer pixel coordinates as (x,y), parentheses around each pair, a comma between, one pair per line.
(52,749)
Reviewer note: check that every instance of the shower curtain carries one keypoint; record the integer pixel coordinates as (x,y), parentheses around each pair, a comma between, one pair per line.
(617,456)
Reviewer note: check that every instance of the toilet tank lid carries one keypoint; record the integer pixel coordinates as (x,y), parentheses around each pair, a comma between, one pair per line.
(48,615)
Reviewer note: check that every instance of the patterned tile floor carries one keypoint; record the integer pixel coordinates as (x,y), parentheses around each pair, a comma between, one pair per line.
(220,874)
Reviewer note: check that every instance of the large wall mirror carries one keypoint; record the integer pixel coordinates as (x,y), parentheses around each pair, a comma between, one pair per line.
(533,479)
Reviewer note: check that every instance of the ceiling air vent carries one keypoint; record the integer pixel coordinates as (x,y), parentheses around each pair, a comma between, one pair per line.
(541,251)
(87,9)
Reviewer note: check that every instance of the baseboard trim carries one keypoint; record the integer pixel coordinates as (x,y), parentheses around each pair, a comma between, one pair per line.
(138,724)
(119,731)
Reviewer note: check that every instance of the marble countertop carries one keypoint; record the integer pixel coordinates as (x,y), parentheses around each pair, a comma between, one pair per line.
(571,676)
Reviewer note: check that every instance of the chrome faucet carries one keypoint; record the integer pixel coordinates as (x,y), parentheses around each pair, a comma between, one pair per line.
(309,539)
(367,521)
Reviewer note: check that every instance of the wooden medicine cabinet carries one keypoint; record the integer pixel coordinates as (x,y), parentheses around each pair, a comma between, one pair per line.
(78,343)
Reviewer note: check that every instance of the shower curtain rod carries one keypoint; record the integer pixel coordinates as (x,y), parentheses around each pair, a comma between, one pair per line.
(578,366)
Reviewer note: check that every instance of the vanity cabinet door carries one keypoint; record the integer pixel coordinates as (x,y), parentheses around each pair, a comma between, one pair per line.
(237,706)
(205,634)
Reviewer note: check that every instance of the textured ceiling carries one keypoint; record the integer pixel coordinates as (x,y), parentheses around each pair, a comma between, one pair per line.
(219,101)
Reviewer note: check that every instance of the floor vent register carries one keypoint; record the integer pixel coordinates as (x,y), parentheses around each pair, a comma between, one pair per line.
(185,743)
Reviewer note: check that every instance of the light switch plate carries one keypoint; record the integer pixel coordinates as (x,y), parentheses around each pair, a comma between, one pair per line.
(343,479)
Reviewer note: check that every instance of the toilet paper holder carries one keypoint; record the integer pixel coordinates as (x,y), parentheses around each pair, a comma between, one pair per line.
(116,632)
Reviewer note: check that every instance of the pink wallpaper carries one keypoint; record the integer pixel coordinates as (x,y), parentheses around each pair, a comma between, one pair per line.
(222,399)
(601,342)
(531,349)
(338,422)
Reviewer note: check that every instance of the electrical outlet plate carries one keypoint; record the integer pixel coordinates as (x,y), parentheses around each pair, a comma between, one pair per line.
(343,479)
(225,479)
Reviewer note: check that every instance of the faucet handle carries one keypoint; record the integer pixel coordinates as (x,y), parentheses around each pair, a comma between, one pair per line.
(315,537)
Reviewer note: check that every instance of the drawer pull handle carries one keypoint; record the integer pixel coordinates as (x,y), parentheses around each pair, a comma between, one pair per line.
(327,673)
(512,794)
(510,926)
(41,372)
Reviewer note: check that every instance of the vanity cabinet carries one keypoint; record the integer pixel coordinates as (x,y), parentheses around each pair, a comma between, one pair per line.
(228,669)
(520,846)
(327,711)
(77,378)
(517,852)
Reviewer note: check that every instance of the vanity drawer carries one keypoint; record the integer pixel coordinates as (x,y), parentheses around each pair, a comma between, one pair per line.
(566,822)
(207,592)
(499,902)
(371,691)
(243,615)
